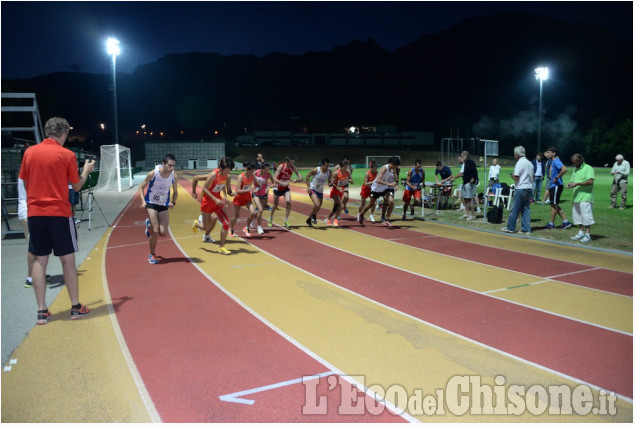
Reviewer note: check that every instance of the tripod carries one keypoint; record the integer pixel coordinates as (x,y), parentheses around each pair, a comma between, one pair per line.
(89,200)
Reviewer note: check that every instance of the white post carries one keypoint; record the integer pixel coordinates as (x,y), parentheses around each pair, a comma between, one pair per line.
(118,167)
(129,168)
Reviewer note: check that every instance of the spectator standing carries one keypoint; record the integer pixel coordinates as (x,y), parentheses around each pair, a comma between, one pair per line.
(545,198)
(620,172)
(47,169)
(555,189)
(582,185)
(523,178)
(470,177)
(539,174)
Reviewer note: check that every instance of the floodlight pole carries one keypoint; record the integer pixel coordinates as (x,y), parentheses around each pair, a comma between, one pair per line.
(542,74)
(113,51)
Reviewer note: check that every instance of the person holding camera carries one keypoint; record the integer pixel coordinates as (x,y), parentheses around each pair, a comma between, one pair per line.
(47,169)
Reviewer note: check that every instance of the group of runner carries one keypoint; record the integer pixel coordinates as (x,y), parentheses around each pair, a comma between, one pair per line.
(252,189)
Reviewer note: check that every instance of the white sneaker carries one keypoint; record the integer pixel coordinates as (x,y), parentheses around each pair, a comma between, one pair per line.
(200,218)
(470,218)
(462,208)
(585,239)
(372,218)
(260,231)
(478,209)
(577,237)
(464,216)
(206,238)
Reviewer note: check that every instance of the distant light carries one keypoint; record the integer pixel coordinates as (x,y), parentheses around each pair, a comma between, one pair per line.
(352,130)
(542,73)
(112,46)
(143,126)
(103,126)
(216,132)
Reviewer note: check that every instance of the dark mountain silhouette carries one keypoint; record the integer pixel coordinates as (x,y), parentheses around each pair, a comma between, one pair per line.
(482,67)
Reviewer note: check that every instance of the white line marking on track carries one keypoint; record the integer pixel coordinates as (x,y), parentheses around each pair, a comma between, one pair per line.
(134,372)
(297,344)
(485,294)
(370,300)
(235,397)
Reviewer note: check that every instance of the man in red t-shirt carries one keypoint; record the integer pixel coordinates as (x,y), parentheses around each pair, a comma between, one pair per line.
(47,170)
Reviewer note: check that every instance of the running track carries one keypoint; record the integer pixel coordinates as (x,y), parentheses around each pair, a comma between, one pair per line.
(193,340)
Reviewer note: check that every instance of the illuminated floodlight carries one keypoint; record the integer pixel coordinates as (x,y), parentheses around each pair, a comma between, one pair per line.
(542,73)
(112,46)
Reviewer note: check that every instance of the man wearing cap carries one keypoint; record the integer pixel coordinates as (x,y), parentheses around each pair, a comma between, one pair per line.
(620,171)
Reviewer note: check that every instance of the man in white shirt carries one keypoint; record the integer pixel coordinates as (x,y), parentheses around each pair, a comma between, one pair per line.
(494,172)
(620,171)
(524,177)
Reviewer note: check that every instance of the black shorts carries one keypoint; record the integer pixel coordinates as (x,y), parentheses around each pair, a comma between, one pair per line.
(554,194)
(52,234)
(280,192)
(385,193)
(158,208)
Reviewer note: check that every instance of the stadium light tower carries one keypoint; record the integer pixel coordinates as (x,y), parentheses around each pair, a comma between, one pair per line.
(542,73)
(112,47)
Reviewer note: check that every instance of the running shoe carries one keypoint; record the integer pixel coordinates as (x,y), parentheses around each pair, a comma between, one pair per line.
(470,218)
(403,217)
(78,313)
(387,223)
(224,251)
(286,224)
(152,259)
(43,317)
(345,210)
(549,226)
(270,222)
(314,219)
(361,220)
(148,228)
(577,237)
(585,239)
(566,225)
(336,223)
(329,222)
(372,218)
(506,230)
(232,234)
(260,231)
(195,228)
(207,238)
(246,232)
(308,222)
(28,284)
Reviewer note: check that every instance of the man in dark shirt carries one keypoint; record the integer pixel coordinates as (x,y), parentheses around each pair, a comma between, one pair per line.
(470,178)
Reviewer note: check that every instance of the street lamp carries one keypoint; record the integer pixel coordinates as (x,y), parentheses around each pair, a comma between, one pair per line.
(542,73)
(112,47)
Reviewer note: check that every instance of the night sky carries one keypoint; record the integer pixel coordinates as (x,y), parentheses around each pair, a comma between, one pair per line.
(44,37)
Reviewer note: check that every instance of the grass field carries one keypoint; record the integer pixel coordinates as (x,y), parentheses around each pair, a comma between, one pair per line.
(613,228)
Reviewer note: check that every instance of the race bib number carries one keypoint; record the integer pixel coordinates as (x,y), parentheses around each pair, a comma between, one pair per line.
(218,188)
(342,183)
(159,199)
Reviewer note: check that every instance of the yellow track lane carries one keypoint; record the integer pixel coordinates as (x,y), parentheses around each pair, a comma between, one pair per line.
(358,336)
(605,309)
(76,371)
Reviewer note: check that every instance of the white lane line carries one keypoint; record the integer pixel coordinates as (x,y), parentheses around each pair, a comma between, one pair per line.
(236,397)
